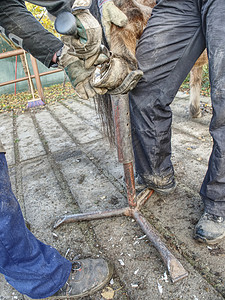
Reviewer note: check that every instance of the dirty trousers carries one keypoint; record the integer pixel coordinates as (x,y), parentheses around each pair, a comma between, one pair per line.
(31,267)
(174,38)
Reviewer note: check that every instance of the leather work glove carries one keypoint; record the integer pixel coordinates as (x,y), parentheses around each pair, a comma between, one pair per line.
(115,76)
(79,76)
(87,43)
(111,14)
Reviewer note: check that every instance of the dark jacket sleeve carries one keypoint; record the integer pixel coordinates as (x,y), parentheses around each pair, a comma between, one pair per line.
(54,6)
(18,24)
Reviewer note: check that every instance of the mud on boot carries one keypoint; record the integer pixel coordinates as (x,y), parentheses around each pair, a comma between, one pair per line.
(161,185)
(87,276)
(210,229)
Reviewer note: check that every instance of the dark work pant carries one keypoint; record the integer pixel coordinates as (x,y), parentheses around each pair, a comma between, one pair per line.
(17,23)
(174,38)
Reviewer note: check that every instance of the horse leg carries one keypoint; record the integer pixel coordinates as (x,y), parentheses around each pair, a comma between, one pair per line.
(195,88)
(123,40)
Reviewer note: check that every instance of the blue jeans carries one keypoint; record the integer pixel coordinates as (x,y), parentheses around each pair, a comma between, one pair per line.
(31,267)
(174,38)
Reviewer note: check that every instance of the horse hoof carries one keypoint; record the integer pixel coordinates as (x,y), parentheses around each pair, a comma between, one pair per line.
(195,112)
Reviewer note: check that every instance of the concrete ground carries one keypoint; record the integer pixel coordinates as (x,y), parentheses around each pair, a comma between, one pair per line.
(60,163)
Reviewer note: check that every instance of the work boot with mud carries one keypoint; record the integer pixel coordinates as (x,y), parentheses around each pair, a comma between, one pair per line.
(86,277)
(210,229)
(161,185)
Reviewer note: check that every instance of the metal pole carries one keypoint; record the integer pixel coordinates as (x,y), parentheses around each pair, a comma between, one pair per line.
(176,270)
(92,216)
(32,76)
(37,77)
(11,53)
(121,114)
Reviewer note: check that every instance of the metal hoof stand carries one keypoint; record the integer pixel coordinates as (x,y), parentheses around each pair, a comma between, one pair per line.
(123,140)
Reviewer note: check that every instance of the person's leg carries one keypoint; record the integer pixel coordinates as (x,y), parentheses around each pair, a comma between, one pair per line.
(167,50)
(31,267)
(36,269)
(17,23)
(211,227)
(213,188)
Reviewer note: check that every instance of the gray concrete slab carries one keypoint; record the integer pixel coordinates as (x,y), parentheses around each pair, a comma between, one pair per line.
(64,165)
(7,137)
(29,143)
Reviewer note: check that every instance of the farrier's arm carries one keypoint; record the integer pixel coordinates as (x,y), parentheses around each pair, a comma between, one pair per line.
(18,24)
(54,6)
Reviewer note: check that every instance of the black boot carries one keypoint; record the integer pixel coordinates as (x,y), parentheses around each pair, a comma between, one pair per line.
(161,185)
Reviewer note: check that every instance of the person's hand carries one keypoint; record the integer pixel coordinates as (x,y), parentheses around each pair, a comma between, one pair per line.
(87,42)
(115,76)
(111,14)
(79,76)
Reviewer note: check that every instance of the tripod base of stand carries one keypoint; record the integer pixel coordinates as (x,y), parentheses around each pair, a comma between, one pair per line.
(175,269)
